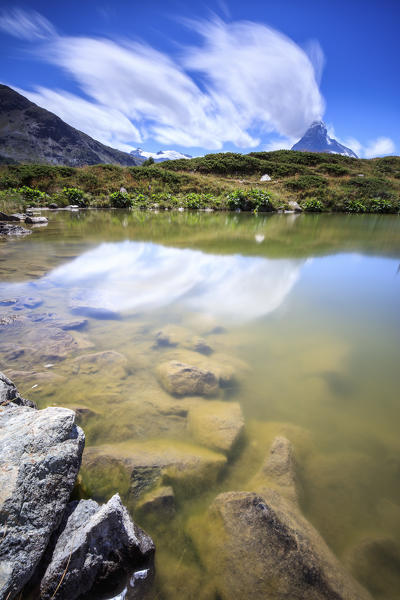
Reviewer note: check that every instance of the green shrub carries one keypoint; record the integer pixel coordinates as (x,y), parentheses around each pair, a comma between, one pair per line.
(120,200)
(31,194)
(162,199)
(313,205)
(88,180)
(370,187)
(75,196)
(354,206)
(335,170)
(153,172)
(390,165)
(195,201)
(249,200)
(306,182)
(141,201)
(27,174)
(8,182)
(381,205)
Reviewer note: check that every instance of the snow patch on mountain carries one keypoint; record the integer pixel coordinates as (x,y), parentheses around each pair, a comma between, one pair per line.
(159,156)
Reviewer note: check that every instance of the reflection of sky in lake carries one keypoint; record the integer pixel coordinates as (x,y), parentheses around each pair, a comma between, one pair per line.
(132,276)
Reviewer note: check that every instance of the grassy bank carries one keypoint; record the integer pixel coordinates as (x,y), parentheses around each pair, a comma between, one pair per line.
(228,181)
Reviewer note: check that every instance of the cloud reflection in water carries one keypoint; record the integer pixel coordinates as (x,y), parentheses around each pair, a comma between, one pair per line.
(134,276)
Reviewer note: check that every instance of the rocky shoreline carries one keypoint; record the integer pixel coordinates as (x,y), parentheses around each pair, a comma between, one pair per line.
(51,547)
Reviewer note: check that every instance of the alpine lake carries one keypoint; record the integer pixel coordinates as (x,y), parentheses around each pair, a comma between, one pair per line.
(298,318)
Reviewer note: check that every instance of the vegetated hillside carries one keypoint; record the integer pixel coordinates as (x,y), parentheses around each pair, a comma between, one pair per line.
(31,134)
(330,179)
(227,181)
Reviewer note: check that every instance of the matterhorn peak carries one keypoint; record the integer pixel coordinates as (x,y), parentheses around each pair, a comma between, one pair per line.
(316,139)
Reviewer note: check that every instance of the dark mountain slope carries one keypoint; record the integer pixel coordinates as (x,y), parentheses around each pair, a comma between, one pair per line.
(29,133)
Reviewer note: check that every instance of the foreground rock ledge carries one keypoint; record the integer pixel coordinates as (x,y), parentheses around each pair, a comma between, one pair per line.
(40,456)
(54,549)
(95,544)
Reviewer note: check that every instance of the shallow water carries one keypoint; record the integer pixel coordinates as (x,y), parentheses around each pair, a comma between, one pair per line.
(302,309)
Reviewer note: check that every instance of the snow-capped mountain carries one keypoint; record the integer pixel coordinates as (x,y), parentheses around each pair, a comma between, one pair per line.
(316,139)
(159,156)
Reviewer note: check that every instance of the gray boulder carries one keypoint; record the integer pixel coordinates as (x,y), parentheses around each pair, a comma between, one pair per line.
(95,547)
(7,229)
(9,395)
(35,220)
(5,217)
(293,205)
(181,379)
(262,547)
(40,456)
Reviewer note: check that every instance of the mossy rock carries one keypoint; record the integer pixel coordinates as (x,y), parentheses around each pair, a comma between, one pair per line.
(216,424)
(262,547)
(142,466)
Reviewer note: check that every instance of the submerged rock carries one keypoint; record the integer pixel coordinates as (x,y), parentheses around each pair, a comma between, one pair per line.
(181,379)
(217,425)
(262,547)
(40,456)
(28,302)
(278,472)
(134,468)
(199,344)
(49,344)
(96,545)
(61,323)
(9,394)
(81,306)
(71,324)
(158,501)
(375,561)
(109,361)
(10,319)
(172,336)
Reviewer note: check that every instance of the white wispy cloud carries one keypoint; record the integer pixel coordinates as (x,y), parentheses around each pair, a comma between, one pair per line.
(279,143)
(249,77)
(379,147)
(105,124)
(28,25)
(268,78)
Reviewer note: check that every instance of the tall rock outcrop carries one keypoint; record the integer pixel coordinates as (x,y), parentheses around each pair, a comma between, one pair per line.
(40,456)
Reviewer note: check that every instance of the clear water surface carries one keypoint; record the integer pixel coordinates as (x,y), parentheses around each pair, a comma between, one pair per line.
(303,310)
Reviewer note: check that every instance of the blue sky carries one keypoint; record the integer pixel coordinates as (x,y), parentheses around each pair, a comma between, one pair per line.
(210,76)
